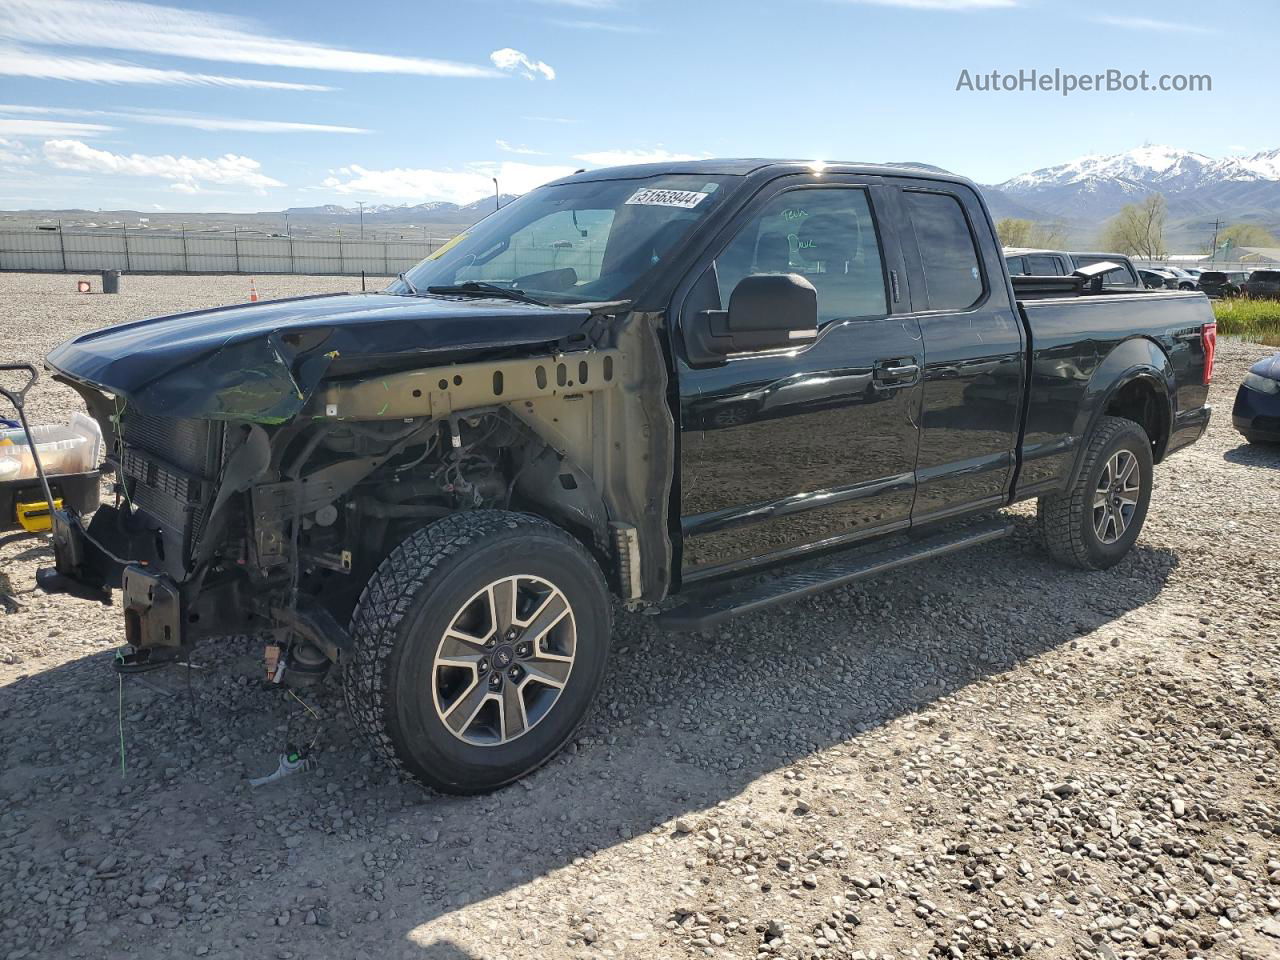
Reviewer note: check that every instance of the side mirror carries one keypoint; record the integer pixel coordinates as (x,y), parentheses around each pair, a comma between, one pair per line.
(766,312)
(772,310)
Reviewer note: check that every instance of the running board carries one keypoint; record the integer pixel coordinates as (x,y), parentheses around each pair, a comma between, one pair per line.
(700,614)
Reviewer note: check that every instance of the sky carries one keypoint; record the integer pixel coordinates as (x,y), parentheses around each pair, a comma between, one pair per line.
(232,106)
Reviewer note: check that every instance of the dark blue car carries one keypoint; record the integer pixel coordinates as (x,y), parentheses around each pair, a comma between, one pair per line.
(1257,410)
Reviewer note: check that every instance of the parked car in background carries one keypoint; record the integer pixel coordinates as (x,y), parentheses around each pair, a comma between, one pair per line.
(1262,285)
(1222,283)
(1256,413)
(1124,276)
(1026,262)
(1186,279)
(1157,279)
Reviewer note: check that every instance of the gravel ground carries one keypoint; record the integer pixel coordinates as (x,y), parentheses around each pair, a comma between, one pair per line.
(986,756)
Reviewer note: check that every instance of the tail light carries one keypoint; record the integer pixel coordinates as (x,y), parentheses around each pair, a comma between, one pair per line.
(1209,341)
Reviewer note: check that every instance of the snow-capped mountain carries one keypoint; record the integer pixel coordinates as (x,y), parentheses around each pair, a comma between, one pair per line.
(1095,187)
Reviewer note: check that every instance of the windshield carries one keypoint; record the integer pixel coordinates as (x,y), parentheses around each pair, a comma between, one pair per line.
(575,242)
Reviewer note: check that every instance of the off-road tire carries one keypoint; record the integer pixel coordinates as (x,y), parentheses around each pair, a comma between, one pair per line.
(404,610)
(1067,520)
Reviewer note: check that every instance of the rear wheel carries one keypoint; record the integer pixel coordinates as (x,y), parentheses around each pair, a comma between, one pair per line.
(480,643)
(1095,523)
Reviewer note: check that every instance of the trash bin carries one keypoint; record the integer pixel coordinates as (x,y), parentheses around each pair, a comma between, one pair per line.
(110,281)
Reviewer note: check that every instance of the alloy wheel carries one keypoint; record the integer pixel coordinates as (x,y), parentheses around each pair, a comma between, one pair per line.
(1115,498)
(504,660)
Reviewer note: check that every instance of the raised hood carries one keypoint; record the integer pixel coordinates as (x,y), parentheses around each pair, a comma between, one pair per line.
(261,361)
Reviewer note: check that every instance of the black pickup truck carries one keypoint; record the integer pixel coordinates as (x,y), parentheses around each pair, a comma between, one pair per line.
(727,383)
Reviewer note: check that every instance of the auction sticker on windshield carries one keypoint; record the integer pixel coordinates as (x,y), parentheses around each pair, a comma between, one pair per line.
(668,198)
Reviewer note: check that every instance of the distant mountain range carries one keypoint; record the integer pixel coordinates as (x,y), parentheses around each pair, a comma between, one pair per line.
(1079,196)
(433,211)
(1083,194)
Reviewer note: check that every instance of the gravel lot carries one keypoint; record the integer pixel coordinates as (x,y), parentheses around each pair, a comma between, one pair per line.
(987,756)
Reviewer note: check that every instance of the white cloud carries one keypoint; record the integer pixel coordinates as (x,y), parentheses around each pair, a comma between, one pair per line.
(51,128)
(601,26)
(195,121)
(512,148)
(512,61)
(14,151)
(941,4)
(619,158)
(1147,24)
(18,62)
(187,173)
(459,186)
(198,35)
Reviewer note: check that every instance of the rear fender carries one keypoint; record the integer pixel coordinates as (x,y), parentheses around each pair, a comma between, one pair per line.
(1136,359)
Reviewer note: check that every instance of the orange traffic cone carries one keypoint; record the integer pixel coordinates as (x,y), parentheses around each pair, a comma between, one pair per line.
(253,291)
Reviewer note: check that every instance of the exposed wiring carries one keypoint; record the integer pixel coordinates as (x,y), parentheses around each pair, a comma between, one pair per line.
(314,715)
(124,480)
(120,719)
(428,448)
(289,726)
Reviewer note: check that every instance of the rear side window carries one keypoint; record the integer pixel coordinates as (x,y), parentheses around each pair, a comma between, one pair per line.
(952,277)
(1044,266)
(1265,276)
(1122,276)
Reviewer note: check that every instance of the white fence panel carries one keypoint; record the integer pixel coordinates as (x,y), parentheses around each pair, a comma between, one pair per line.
(87,252)
(155,252)
(33,250)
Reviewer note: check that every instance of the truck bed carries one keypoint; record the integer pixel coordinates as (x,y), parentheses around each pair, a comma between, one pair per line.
(1073,337)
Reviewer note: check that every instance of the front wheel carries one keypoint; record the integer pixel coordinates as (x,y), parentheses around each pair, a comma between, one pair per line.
(1095,523)
(479,645)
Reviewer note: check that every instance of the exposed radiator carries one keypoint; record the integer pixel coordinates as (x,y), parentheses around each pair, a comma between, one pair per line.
(168,467)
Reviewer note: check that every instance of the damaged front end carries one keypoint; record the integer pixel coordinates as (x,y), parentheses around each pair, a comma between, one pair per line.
(261,478)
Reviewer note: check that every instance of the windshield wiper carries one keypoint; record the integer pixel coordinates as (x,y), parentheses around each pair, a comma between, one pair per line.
(413,291)
(478,288)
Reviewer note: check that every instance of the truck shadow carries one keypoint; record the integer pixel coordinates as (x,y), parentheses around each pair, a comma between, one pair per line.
(684,722)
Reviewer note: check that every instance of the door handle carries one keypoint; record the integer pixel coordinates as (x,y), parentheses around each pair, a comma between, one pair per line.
(894,370)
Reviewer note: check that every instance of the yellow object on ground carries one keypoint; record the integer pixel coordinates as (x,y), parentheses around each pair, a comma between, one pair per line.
(34,516)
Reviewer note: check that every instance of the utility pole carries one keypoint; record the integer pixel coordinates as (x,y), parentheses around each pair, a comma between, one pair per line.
(360,204)
(286,224)
(1213,251)
(497,197)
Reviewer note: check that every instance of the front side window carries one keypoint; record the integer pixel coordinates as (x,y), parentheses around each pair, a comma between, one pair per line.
(826,235)
(575,242)
(948,256)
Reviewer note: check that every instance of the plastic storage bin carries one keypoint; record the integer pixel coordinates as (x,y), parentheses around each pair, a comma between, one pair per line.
(70,448)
